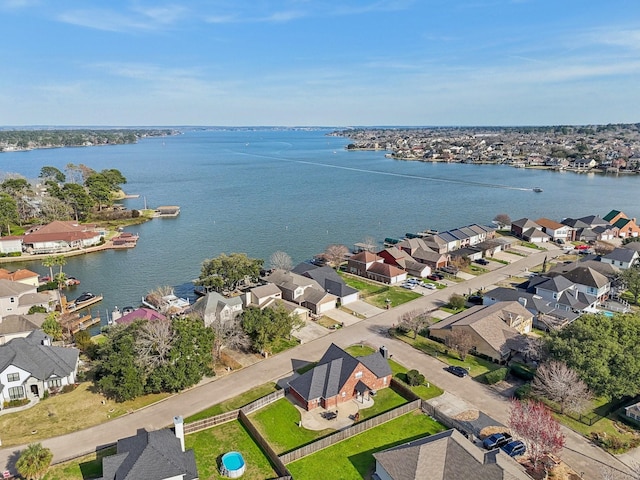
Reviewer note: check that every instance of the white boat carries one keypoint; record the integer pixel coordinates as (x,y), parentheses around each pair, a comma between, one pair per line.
(537,189)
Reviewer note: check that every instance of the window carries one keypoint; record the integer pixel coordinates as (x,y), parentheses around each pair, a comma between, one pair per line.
(16,393)
(13,377)
(55,382)
(358,374)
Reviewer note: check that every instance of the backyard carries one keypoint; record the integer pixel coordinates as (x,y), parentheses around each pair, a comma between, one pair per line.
(353,458)
(378,294)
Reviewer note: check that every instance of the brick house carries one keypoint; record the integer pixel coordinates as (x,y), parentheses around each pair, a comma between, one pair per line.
(339,377)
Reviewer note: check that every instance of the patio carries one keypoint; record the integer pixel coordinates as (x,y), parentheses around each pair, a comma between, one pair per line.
(342,416)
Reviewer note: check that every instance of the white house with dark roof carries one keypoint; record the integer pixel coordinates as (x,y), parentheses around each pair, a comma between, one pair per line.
(623,258)
(17,298)
(588,281)
(445,456)
(329,279)
(31,366)
(151,455)
(303,291)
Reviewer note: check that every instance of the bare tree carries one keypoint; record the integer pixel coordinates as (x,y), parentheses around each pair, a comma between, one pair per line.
(280,260)
(603,248)
(335,254)
(52,209)
(153,344)
(414,321)
(460,341)
(154,297)
(460,262)
(229,335)
(502,219)
(559,383)
(370,243)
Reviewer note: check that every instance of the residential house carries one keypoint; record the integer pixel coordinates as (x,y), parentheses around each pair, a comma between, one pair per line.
(329,279)
(372,266)
(623,258)
(11,244)
(625,226)
(155,455)
(339,377)
(587,281)
(60,237)
(563,293)
(19,326)
(142,313)
(17,298)
(421,250)
(21,275)
(401,259)
(493,328)
(218,309)
(633,412)
(529,231)
(303,290)
(590,228)
(262,295)
(446,455)
(31,366)
(557,231)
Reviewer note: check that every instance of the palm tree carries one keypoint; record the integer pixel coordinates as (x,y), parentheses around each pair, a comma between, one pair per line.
(61,261)
(34,461)
(49,261)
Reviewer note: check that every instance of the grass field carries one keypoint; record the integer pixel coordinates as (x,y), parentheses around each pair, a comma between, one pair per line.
(378,294)
(352,459)
(209,445)
(235,402)
(65,413)
(423,391)
(83,468)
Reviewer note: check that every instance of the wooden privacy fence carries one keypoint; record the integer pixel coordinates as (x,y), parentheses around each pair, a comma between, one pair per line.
(233,414)
(341,435)
(278,464)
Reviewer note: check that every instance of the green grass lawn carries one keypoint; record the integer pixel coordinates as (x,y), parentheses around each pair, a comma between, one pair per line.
(234,403)
(384,400)
(476,366)
(89,466)
(360,350)
(425,391)
(353,458)
(209,445)
(377,294)
(278,423)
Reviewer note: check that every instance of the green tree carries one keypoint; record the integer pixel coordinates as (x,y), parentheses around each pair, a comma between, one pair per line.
(49,262)
(267,326)
(76,196)
(604,352)
(226,272)
(100,190)
(34,462)
(457,301)
(52,327)
(414,378)
(8,212)
(631,279)
(52,173)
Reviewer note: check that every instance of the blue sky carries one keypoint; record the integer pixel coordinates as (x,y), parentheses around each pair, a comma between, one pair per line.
(319,62)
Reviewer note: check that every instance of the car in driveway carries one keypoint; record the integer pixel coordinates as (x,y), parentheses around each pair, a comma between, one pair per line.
(428,285)
(409,286)
(514,448)
(457,371)
(496,440)
(482,261)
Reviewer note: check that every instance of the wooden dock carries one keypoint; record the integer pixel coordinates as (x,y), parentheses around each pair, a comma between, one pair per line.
(74,322)
(67,307)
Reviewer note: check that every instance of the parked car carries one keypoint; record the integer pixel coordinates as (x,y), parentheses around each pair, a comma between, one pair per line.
(409,286)
(433,277)
(514,448)
(482,261)
(430,286)
(457,371)
(496,440)
(412,280)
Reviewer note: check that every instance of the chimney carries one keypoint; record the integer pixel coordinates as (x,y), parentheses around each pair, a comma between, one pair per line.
(384,352)
(490,457)
(522,301)
(178,424)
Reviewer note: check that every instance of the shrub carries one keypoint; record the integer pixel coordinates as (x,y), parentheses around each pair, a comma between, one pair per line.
(457,301)
(522,371)
(14,254)
(523,392)
(68,388)
(415,378)
(16,403)
(496,376)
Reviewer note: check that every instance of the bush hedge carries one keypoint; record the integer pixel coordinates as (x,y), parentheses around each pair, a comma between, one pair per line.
(522,371)
(496,376)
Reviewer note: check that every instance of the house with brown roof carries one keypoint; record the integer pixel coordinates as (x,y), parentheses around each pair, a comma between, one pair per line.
(401,259)
(21,275)
(556,230)
(60,237)
(340,377)
(445,456)
(372,266)
(493,328)
(529,231)
(303,291)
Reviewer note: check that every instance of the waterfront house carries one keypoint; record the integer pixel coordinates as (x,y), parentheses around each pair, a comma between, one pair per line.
(422,250)
(19,326)
(262,295)
(11,244)
(529,231)
(151,455)
(625,226)
(215,308)
(61,237)
(303,291)
(588,281)
(31,366)
(340,377)
(623,258)
(329,279)
(17,298)
(142,313)
(372,266)
(556,230)
(401,259)
(445,456)
(21,275)
(492,328)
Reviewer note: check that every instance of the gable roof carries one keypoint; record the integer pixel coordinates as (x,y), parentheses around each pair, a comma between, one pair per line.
(525,223)
(41,361)
(612,214)
(14,289)
(335,367)
(18,275)
(586,276)
(386,270)
(447,456)
(153,455)
(142,313)
(365,257)
(547,223)
(327,278)
(21,323)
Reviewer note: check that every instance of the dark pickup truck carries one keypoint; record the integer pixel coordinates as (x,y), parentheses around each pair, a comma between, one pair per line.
(496,440)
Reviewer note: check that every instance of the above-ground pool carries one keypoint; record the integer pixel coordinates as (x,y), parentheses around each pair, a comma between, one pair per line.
(232,465)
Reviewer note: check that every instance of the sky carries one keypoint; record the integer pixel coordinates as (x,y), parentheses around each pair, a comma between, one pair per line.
(319,62)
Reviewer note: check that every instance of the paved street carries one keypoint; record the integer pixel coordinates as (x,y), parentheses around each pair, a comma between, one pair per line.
(580,454)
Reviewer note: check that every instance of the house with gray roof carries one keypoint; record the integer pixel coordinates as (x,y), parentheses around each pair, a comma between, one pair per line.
(303,291)
(17,326)
(492,328)
(328,278)
(588,281)
(155,455)
(31,366)
(214,307)
(16,298)
(445,456)
(623,258)
(340,377)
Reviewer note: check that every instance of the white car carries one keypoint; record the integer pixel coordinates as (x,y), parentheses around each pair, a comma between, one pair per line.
(430,286)
(409,286)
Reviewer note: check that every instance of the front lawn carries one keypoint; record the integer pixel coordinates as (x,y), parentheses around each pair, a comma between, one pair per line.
(209,445)
(89,466)
(360,350)
(425,391)
(66,413)
(477,366)
(378,294)
(353,458)
(234,403)
(278,423)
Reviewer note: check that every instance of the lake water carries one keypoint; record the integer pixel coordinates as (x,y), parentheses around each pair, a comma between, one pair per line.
(260,191)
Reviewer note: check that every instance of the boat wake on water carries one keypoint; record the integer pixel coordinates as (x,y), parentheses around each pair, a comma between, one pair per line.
(391,174)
